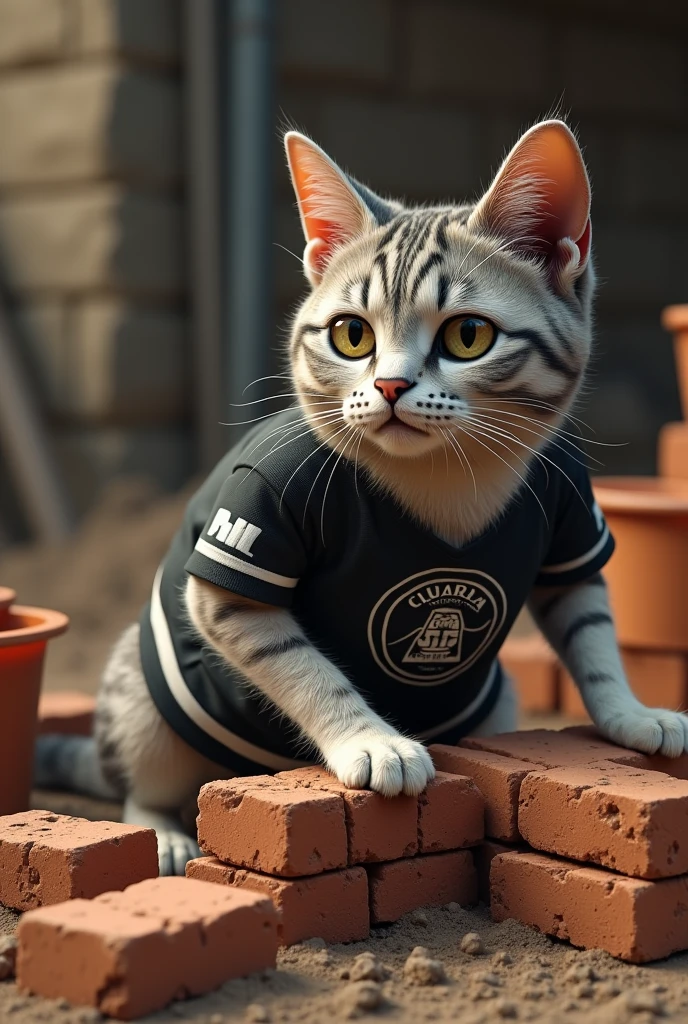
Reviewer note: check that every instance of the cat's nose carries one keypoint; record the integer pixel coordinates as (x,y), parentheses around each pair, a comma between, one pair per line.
(392,388)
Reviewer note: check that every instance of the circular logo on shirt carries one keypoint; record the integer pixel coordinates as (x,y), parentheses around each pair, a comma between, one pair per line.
(434,625)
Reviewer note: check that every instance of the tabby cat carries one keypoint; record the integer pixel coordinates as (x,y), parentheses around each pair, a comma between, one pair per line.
(342,582)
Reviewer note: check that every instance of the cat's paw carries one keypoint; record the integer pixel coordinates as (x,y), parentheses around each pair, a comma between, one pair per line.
(650,730)
(385,762)
(174,850)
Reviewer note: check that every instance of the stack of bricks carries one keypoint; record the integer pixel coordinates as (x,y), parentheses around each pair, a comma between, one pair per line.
(658,678)
(586,841)
(100,929)
(333,860)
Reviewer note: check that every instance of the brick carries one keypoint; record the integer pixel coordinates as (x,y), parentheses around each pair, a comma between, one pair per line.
(551,748)
(497,777)
(592,908)
(266,825)
(131,953)
(672,450)
(332,906)
(628,819)
(99,238)
(128,126)
(426,881)
(432,67)
(364,27)
(128,365)
(483,855)
(32,30)
(148,32)
(654,86)
(534,667)
(451,814)
(66,711)
(46,858)
(377,828)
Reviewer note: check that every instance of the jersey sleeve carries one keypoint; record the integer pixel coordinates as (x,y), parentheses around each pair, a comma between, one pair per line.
(580,540)
(250,543)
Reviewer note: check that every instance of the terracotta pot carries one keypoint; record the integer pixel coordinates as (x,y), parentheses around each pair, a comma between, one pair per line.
(648,572)
(23,637)
(672,450)
(675,319)
(7,597)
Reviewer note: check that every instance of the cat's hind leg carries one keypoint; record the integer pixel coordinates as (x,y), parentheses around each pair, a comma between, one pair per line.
(159,772)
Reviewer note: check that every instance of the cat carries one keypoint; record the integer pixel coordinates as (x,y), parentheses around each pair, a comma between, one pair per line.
(343,580)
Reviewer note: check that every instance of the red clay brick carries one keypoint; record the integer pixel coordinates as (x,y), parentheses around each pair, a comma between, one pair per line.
(46,858)
(451,814)
(66,711)
(426,881)
(264,824)
(332,906)
(551,748)
(497,777)
(483,855)
(630,918)
(134,952)
(628,819)
(378,828)
(534,667)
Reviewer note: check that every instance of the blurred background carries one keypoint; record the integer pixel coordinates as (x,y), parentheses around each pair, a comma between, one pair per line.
(145,212)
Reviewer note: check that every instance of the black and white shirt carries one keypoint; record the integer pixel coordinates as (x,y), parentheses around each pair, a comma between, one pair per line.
(415,623)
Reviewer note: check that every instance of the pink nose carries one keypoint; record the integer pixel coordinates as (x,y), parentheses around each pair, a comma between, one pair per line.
(392,389)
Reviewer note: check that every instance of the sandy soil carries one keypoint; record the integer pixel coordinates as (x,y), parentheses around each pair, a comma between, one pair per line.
(100,579)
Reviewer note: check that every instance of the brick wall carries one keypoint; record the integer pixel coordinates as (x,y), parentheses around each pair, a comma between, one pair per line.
(421,97)
(91,218)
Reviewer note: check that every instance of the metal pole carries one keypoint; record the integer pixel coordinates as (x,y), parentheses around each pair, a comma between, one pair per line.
(203,124)
(250,137)
(26,447)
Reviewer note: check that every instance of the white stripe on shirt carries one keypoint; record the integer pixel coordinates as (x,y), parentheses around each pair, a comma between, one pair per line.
(188,703)
(575,563)
(232,562)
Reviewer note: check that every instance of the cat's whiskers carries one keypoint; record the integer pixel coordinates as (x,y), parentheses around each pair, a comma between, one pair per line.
(363,432)
(278,447)
(559,430)
(549,438)
(286,394)
(327,442)
(270,376)
(345,442)
(463,458)
(507,464)
(285,429)
(540,404)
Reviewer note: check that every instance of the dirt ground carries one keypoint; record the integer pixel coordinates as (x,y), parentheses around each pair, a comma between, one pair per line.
(101,578)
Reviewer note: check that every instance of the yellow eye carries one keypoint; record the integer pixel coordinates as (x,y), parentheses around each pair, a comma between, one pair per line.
(352,337)
(467,337)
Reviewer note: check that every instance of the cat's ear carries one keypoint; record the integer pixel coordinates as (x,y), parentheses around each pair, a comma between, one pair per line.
(333,208)
(540,200)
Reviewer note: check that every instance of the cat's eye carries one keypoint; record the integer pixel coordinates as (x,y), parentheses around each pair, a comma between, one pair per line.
(467,337)
(352,337)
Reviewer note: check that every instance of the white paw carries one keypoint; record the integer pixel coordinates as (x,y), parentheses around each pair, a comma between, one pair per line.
(651,730)
(175,848)
(385,762)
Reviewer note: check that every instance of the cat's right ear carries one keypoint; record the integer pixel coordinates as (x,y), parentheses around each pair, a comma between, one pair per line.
(331,210)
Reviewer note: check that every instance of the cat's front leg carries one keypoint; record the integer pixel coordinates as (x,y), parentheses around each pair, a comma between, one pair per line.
(268,647)
(577,622)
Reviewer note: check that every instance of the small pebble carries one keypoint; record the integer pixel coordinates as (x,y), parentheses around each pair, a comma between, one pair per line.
(360,997)
(658,988)
(8,956)
(62,1004)
(367,967)
(472,944)
(584,991)
(507,1009)
(256,1013)
(419,918)
(420,969)
(488,978)
(644,1002)
(571,1006)
(316,943)
(453,908)
(580,973)
(501,959)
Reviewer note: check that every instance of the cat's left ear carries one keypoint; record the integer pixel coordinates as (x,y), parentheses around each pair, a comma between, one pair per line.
(333,208)
(540,199)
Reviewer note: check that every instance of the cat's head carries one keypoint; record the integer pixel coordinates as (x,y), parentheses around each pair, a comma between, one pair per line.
(436,327)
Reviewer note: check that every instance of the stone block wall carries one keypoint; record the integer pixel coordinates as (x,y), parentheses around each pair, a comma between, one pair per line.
(91,229)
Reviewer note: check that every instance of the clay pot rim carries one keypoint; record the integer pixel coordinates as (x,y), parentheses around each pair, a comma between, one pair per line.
(51,623)
(675,318)
(633,495)
(7,597)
